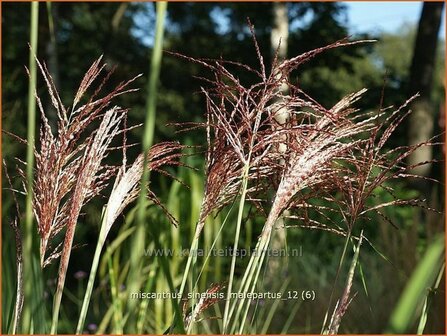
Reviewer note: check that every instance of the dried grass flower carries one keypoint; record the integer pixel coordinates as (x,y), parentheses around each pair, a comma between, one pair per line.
(243,131)
(69,170)
(127,184)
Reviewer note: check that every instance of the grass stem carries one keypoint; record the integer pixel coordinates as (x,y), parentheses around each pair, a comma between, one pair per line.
(91,279)
(236,244)
(31,129)
(148,137)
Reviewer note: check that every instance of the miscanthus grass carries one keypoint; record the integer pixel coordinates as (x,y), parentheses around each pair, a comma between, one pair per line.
(337,156)
(70,170)
(316,163)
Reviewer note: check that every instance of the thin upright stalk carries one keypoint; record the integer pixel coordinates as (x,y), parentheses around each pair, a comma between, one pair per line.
(51,23)
(148,136)
(19,292)
(145,303)
(191,261)
(236,244)
(117,310)
(253,286)
(192,251)
(340,264)
(31,127)
(91,279)
(250,277)
(344,301)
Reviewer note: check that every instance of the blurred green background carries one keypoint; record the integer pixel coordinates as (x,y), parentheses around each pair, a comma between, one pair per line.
(72,35)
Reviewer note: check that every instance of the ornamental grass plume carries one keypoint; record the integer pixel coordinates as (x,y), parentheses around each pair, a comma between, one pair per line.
(69,169)
(375,166)
(242,128)
(311,151)
(90,180)
(63,158)
(239,133)
(127,185)
(336,155)
(365,168)
(244,154)
(207,299)
(125,190)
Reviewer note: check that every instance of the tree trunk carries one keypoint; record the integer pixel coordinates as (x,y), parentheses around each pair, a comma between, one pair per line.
(279,37)
(279,40)
(421,121)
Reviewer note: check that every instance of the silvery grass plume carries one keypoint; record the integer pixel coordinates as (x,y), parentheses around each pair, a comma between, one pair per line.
(367,167)
(127,182)
(315,140)
(370,166)
(312,148)
(242,128)
(244,137)
(344,175)
(69,169)
(90,180)
(239,140)
(125,190)
(376,166)
(63,158)
(328,152)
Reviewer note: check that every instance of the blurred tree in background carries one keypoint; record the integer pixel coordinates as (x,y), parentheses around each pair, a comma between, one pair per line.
(422,70)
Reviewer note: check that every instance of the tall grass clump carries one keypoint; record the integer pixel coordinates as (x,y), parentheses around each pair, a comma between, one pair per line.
(321,160)
(70,170)
(317,165)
